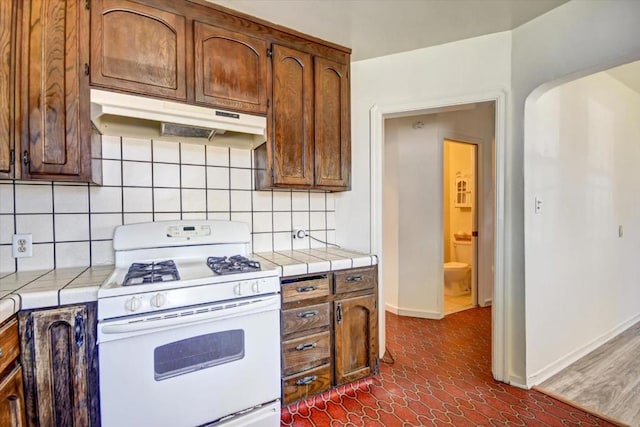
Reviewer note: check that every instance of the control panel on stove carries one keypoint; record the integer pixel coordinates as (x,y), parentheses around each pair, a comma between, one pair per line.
(188,230)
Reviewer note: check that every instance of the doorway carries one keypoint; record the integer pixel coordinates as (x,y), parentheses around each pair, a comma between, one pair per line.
(491,169)
(460,206)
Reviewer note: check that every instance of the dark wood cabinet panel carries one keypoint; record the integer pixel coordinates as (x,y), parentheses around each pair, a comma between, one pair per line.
(12,400)
(60,363)
(356,334)
(292,129)
(230,69)
(138,48)
(8,46)
(357,279)
(9,344)
(307,383)
(306,352)
(332,124)
(56,130)
(296,320)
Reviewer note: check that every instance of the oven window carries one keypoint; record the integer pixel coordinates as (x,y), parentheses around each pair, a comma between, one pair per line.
(195,353)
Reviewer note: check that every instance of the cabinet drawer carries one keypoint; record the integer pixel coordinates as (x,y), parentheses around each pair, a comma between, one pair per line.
(357,279)
(305,287)
(306,383)
(9,348)
(305,318)
(307,352)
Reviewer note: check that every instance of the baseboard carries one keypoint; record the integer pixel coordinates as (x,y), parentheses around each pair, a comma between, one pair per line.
(487,302)
(518,381)
(554,367)
(424,314)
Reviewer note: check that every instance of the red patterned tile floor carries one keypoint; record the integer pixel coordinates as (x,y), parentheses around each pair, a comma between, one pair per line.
(441,376)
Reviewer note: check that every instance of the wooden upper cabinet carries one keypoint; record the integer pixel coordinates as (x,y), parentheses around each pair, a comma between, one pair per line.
(56,133)
(332,124)
(292,117)
(8,23)
(230,69)
(138,48)
(356,334)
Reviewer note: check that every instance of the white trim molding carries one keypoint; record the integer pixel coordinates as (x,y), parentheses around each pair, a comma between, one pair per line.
(378,114)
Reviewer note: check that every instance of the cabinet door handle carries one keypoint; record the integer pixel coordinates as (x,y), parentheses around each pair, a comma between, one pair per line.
(307,314)
(339,313)
(357,278)
(14,409)
(307,380)
(1,352)
(306,289)
(306,346)
(79,330)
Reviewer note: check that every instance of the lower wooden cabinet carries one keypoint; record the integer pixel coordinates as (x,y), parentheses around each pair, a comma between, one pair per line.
(329,330)
(12,412)
(60,363)
(356,338)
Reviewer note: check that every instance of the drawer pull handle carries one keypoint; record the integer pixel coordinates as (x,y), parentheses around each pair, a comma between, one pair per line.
(357,278)
(307,314)
(1,352)
(306,346)
(302,289)
(307,380)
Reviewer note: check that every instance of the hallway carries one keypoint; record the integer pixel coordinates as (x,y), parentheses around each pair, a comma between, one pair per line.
(440,376)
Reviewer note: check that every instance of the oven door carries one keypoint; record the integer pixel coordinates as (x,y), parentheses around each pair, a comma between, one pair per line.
(191,366)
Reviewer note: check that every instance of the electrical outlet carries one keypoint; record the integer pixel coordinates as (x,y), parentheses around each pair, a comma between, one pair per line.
(299,232)
(22,245)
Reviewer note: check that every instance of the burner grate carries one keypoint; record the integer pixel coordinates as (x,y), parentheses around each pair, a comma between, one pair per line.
(231,265)
(142,273)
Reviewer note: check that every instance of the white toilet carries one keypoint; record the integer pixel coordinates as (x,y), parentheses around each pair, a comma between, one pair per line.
(457,274)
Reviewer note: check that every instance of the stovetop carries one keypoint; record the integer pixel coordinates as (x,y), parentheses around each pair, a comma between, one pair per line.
(232,265)
(151,272)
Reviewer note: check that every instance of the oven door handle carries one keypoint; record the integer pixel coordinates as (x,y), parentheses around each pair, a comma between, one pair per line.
(120,327)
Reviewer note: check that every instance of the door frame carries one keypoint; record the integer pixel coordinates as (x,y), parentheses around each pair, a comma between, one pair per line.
(476,209)
(377,114)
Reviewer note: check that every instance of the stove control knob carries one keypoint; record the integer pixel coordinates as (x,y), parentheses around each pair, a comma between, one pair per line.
(237,289)
(255,286)
(158,300)
(133,304)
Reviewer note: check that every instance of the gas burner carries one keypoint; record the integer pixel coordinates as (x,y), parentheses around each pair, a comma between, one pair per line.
(142,273)
(231,265)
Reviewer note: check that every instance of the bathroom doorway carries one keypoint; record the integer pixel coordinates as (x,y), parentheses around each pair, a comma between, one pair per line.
(460,225)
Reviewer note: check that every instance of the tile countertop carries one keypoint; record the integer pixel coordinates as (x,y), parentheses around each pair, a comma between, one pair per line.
(25,290)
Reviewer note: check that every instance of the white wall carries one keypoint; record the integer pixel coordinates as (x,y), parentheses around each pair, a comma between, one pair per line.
(582,156)
(573,40)
(413,207)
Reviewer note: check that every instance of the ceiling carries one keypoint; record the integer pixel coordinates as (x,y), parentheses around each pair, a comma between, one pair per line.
(373,28)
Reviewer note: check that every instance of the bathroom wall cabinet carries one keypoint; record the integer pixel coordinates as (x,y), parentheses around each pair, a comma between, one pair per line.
(329,330)
(60,365)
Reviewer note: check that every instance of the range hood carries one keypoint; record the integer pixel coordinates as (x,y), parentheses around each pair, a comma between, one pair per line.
(139,117)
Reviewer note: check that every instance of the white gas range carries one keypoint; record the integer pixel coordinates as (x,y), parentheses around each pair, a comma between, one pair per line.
(188,329)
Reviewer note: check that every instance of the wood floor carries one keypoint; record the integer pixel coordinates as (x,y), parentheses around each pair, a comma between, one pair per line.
(606,381)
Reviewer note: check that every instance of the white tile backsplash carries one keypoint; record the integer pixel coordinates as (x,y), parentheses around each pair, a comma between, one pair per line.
(136,149)
(69,199)
(73,223)
(31,198)
(193,177)
(167,152)
(71,227)
(40,227)
(166,175)
(136,174)
(192,154)
(138,199)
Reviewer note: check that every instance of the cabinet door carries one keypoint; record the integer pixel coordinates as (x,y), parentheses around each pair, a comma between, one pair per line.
(292,117)
(138,48)
(356,332)
(60,366)
(12,400)
(230,69)
(332,125)
(8,22)
(56,135)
